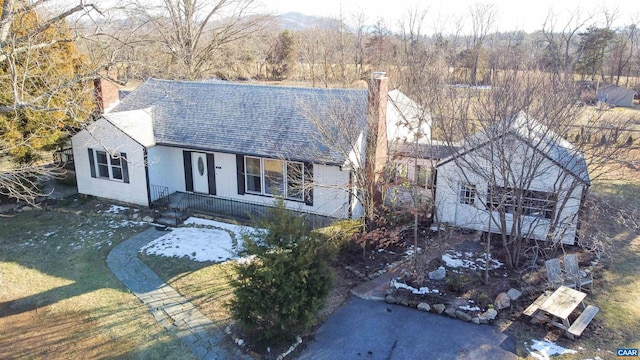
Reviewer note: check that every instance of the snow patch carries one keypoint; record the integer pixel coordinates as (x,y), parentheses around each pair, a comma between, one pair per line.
(423,290)
(216,242)
(115,209)
(543,350)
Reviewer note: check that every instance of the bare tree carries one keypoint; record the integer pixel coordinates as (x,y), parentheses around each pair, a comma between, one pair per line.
(505,168)
(193,32)
(482,22)
(562,52)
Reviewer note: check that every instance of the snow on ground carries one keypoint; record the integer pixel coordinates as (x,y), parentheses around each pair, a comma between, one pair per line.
(456,259)
(423,290)
(115,209)
(215,241)
(543,350)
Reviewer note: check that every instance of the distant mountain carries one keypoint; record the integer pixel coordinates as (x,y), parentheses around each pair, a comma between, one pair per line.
(296,21)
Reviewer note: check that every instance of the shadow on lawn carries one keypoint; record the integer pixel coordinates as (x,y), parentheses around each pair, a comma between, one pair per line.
(81,334)
(63,301)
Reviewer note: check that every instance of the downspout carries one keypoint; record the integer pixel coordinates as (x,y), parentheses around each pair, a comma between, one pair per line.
(146,174)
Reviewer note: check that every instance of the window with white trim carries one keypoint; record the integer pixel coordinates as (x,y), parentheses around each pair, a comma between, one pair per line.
(109,166)
(271,177)
(467,194)
(540,204)
(253,173)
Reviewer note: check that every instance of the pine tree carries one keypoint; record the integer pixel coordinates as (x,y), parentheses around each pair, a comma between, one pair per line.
(40,93)
(279,291)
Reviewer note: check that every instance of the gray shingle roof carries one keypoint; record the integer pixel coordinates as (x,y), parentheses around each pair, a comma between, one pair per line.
(537,136)
(261,120)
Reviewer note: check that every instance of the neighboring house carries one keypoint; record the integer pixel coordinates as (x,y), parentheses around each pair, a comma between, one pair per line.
(412,152)
(615,95)
(240,143)
(517,166)
(407,121)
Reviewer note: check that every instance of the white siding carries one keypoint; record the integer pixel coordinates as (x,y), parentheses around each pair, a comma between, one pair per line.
(166,168)
(136,123)
(102,135)
(550,178)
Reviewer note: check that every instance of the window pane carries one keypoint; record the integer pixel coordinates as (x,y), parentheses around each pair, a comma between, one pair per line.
(294,180)
(101,157)
(254,184)
(273,177)
(103,170)
(116,172)
(115,161)
(253,175)
(253,166)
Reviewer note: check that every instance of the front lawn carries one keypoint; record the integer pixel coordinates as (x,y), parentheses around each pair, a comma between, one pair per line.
(59,300)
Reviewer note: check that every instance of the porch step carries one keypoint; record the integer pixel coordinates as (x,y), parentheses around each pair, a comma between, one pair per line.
(171,217)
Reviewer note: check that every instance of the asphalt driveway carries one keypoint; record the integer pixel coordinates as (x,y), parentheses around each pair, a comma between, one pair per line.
(371,330)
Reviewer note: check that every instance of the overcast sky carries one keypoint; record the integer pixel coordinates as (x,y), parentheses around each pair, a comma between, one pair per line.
(511,14)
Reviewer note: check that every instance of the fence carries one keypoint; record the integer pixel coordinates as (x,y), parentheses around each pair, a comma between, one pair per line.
(237,209)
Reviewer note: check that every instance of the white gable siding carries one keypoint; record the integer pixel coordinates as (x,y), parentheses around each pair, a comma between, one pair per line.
(403,117)
(103,136)
(136,123)
(550,178)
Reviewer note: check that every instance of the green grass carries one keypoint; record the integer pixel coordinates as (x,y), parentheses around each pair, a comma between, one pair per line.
(206,284)
(58,298)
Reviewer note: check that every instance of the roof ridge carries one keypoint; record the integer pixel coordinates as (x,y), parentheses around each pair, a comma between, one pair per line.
(231,83)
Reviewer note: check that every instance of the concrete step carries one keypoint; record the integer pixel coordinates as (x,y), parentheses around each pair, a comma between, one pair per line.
(168,221)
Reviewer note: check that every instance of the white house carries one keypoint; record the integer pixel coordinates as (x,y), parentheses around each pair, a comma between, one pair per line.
(521,169)
(615,95)
(242,143)
(413,153)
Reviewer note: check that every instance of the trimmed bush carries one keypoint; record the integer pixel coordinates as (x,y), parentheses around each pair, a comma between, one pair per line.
(279,291)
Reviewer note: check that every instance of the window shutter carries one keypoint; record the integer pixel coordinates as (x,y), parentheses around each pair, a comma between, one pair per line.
(211,166)
(308,184)
(125,167)
(92,163)
(188,172)
(240,173)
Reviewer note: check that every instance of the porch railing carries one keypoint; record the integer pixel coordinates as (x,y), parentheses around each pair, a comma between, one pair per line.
(242,209)
(159,195)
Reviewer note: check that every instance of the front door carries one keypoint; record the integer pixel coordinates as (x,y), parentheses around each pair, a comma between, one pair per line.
(200,172)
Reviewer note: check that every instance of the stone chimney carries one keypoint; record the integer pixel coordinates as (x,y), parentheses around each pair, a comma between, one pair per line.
(377,146)
(106,92)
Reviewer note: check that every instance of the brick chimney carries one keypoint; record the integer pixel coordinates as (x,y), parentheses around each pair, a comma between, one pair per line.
(106,92)
(377,147)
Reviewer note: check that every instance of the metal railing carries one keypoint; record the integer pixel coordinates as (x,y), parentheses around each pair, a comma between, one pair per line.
(243,209)
(159,195)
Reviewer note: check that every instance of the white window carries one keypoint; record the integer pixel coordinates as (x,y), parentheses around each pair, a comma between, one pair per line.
(108,166)
(467,194)
(253,174)
(271,177)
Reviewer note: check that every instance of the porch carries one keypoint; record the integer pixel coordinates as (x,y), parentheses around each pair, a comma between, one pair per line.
(179,204)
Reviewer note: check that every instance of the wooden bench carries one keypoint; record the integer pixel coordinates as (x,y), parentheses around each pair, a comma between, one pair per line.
(583,320)
(529,311)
